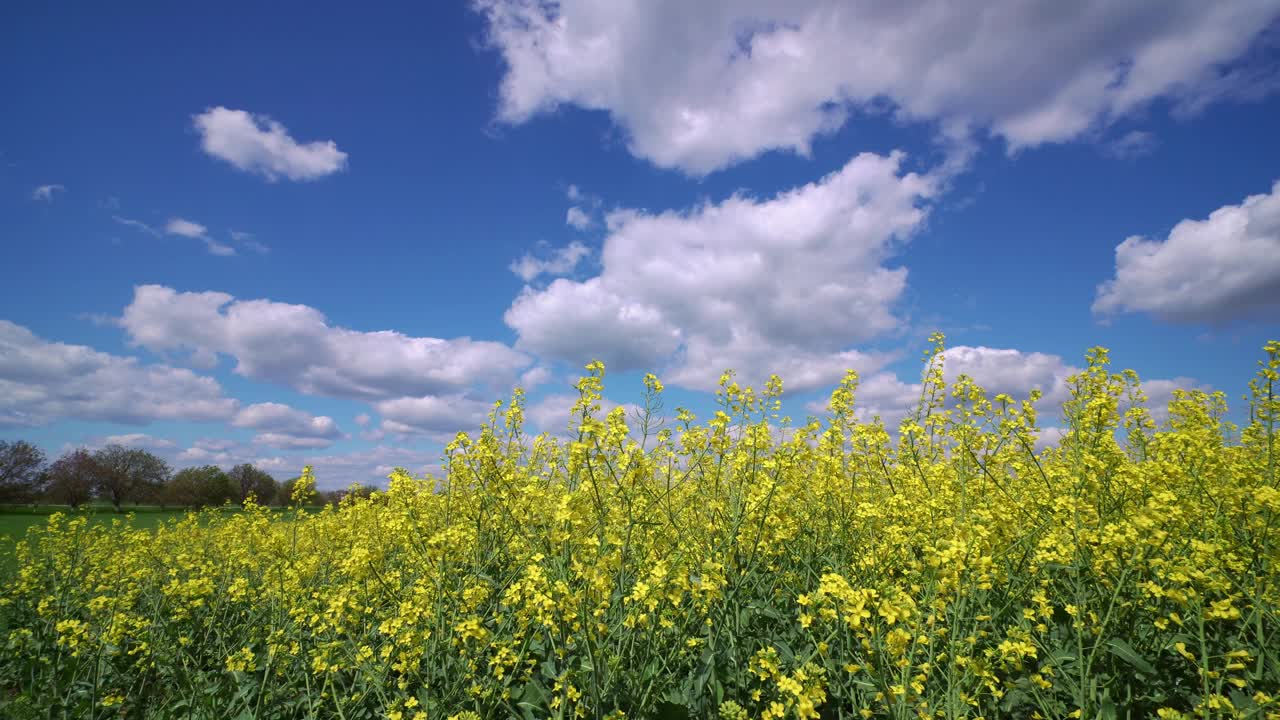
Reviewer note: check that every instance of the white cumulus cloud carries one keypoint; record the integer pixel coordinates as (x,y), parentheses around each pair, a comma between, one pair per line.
(1222,268)
(440,417)
(785,284)
(43,381)
(294,345)
(287,427)
(701,85)
(260,145)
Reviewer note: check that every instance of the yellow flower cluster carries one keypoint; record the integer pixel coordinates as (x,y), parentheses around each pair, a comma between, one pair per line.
(742,567)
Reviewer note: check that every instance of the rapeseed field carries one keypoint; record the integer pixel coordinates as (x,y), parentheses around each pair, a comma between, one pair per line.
(737,566)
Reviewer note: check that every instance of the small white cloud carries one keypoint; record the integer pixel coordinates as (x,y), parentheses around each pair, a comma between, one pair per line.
(247,240)
(45,192)
(196,231)
(577,218)
(285,441)
(285,427)
(574,193)
(137,224)
(185,228)
(215,444)
(258,144)
(216,248)
(141,440)
(363,419)
(280,418)
(561,262)
(1222,268)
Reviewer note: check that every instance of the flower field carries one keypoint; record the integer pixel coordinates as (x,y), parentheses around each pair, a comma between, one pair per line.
(737,567)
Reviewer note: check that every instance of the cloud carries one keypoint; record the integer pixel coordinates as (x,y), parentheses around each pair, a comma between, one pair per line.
(1048,436)
(295,346)
(196,231)
(1223,268)
(141,440)
(562,262)
(433,416)
(785,284)
(577,218)
(286,441)
(260,145)
(287,427)
(701,85)
(185,228)
(1012,372)
(363,419)
(214,444)
(1132,144)
(137,224)
(535,376)
(182,227)
(248,241)
(42,382)
(45,192)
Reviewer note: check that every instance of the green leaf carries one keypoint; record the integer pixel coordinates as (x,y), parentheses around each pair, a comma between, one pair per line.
(1125,651)
(784,651)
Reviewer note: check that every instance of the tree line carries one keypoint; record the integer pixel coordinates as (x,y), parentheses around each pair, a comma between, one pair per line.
(123,475)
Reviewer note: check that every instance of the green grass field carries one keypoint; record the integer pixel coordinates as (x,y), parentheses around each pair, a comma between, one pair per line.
(15,520)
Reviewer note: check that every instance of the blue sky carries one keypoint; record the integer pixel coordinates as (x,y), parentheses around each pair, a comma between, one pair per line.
(329,234)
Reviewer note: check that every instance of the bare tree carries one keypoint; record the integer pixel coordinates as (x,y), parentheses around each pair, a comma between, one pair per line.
(128,473)
(20,470)
(71,478)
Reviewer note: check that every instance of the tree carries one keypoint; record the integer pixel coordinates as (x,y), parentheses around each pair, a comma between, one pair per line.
(71,477)
(20,470)
(247,479)
(199,487)
(128,473)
